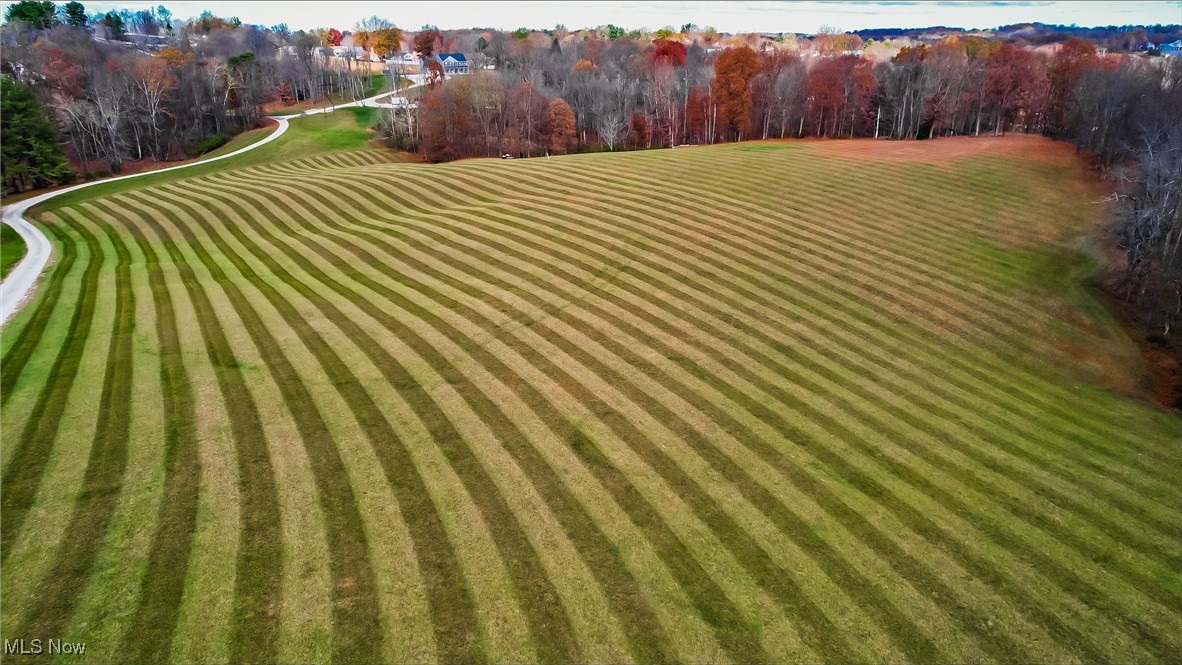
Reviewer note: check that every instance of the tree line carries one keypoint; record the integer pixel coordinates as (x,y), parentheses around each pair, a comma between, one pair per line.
(661,93)
(129,86)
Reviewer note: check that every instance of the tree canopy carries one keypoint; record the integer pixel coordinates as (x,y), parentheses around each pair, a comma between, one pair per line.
(33,13)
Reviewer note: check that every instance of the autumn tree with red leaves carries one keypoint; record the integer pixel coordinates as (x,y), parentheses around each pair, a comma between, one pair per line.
(665,50)
(697,109)
(1075,57)
(435,73)
(426,42)
(1016,85)
(840,90)
(638,130)
(731,89)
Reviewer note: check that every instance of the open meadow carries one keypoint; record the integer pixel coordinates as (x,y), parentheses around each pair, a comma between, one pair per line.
(809,401)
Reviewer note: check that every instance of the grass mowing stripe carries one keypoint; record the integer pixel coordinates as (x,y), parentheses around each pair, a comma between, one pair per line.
(1145,586)
(207,617)
(454,178)
(103,480)
(450,599)
(260,555)
(1128,534)
(1132,574)
(550,625)
(787,522)
(18,354)
(148,639)
(487,362)
(779,521)
(775,210)
(675,324)
(766,210)
(23,473)
(770,579)
(716,606)
(357,633)
(646,636)
(908,220)
(564,646)
(781,586)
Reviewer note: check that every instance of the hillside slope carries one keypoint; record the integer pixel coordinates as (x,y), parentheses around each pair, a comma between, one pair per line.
(777,401)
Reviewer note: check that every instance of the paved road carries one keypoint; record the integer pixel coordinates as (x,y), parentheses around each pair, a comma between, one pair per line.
(18,286)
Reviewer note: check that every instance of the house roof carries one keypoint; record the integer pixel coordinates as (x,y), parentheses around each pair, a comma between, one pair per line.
(458,57)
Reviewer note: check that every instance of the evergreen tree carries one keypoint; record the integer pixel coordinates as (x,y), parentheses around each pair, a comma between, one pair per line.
(32,13)
(74,14)
(114,23)
(30,155)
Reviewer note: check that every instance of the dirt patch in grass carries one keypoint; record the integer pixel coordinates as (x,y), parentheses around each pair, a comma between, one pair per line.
(950,149)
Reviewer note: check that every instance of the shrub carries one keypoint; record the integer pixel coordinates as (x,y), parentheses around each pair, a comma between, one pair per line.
(208,143)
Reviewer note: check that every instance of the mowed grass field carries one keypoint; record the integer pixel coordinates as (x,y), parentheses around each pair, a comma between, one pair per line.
(764,402)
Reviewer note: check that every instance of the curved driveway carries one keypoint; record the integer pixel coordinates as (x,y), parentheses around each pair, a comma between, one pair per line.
(18,285)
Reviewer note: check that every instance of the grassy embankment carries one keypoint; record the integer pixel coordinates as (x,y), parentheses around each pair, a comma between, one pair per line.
(12,249)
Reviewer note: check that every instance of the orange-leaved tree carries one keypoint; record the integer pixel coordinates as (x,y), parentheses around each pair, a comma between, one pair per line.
(731,88)
(562,125)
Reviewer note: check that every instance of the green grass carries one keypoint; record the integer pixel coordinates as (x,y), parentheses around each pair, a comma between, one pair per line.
(587,408)
(12,249)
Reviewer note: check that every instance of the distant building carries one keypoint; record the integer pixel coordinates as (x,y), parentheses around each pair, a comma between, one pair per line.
(402,58)
(1173,49)
(402,63)
(348,51)
(453,63)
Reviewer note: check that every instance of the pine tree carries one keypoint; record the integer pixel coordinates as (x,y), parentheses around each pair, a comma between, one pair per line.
(74,14)
(30,155)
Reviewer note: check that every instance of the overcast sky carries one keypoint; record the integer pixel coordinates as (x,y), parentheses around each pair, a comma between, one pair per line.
(737,16)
